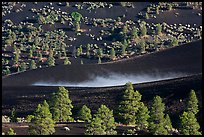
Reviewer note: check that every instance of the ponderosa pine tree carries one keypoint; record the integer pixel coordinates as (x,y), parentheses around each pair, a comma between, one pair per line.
(85,114)
(158,29)
(189,124)
(142,117)
(168,123)
(134,33)
(60,105)
(42,123)
(112,53)
(108,121)
(157,120)
(51,59)
(95,127)
(129,105)
(192,104)
(103,123)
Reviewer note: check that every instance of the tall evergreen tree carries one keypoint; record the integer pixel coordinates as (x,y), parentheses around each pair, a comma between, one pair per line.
(168,124)
(157,120)
(95,127)
(142,117)
(85,113)
(42,123)
(129,105)
(103,123)
(192,104)
(189,124)
(60,105)
(108,121)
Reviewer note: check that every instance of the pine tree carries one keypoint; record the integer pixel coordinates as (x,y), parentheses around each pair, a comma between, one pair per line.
(108,121)
(78,53)
(112,53)
(100,52)
(192,104)
(32,64)
(42,123)
(158,29)
(174,42)
(189,124)
(95,127)
(146,16)
(143,30)
(51,61)
(13,115)
(157,120)
(142,117)
(11,132)
(142,46)
(157,10)
(60,105)
(66,61)
(85,114)
(23,66)
(129,105)
(123,48)
(168,124)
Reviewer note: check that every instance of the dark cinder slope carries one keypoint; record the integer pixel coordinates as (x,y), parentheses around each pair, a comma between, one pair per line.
(185,59)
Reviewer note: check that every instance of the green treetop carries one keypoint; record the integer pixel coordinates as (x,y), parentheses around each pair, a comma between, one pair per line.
(157,120)
(189,124)
(60,105)
(85,114)
(129,105)
(42,123)
(192,104)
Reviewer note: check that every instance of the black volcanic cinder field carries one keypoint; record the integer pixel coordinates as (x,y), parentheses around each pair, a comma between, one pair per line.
(161,67)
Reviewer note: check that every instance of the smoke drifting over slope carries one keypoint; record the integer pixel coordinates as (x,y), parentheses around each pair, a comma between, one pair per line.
(111,79)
